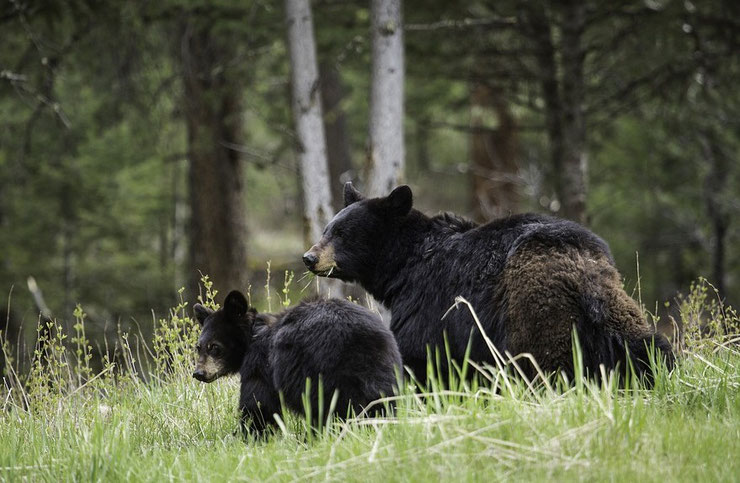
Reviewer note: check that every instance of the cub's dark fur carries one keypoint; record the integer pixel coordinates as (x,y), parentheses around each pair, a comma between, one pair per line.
(343,344)
(531,279)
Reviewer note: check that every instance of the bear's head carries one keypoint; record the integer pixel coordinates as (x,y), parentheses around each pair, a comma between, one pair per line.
(224,338)
(353,241)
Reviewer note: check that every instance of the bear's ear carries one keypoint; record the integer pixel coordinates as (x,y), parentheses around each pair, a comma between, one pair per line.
(235,306)
(351,195)
(201,313)
(400,200)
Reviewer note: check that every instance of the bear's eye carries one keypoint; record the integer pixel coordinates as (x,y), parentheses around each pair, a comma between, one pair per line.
(214,349)
(197,347)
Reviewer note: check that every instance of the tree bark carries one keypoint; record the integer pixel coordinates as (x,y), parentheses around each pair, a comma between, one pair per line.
(308,119)
(307,114)
(337,136)
(385,168)
(212,110)
(494,172)
(715,184)
(538,25)
(573,185)
(564,97)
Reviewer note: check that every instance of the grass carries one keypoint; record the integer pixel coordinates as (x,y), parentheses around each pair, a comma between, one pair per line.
(116,424)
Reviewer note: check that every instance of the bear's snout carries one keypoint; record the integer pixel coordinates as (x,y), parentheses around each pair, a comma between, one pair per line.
(310,260)
(320,259)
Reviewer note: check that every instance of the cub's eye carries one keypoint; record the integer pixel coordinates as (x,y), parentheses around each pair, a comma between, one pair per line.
(214,349)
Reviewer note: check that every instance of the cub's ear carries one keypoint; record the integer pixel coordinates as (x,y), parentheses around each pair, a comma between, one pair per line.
(235,306)
(351,195)
(400,200)
(201,313)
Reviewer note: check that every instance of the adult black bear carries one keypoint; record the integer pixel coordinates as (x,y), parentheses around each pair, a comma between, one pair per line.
(344,345)
(531,279)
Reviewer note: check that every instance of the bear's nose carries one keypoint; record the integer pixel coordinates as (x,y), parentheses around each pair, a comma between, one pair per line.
(199,375)
(310,260)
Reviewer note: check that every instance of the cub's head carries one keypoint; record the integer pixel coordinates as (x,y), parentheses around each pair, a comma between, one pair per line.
(224,338)
(351,244)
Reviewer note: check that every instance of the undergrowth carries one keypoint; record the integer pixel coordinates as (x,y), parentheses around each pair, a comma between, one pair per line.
(142,417)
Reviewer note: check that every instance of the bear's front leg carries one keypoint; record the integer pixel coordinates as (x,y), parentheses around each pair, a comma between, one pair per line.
(258,402)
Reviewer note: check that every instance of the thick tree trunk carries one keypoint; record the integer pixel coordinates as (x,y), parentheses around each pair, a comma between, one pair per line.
(538,25)
(307,115)
(308,119)
(715,184)
(386,146)
(212,109)
(337,135)
(494,172)
(573,185)
(563,97)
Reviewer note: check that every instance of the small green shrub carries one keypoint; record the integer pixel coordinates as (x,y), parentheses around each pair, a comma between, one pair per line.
(706,323)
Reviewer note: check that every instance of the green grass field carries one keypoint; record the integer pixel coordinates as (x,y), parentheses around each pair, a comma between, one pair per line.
(65,422)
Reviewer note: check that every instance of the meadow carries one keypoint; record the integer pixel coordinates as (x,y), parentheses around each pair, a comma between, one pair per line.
(142,417)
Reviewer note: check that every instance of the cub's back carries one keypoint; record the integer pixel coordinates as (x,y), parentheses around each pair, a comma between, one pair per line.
(346,344)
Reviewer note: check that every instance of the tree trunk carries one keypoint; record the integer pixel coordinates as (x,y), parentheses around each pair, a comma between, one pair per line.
(308,119)
(337,136)
(715,184)
(386,149)
(538,25)
(212,109)
(311,146)
(494,172)
(573,185)
(563,98)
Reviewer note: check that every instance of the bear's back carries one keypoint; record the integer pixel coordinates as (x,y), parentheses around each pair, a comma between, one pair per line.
(460,258)
(513,231)
(347,345)
(465,248)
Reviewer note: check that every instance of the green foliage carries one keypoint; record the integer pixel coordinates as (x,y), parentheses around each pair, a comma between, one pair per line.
(707,323)
(82,348)
(209,300)
(176,336)
(114,427)
(49,378)
(286,288)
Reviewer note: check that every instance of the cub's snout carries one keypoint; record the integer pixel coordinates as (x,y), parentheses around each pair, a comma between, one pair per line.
(200,375)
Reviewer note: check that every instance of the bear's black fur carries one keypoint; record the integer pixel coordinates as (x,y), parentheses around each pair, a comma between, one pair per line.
(530,278)
(343,344)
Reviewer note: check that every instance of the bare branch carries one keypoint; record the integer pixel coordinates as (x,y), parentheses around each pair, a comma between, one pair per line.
(465,23)
(12,76)
(467,128)
(627,96)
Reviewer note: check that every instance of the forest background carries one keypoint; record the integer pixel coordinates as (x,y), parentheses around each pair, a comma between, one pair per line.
(144,143)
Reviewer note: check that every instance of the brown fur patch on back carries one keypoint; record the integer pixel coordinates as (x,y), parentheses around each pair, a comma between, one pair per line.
(544,291)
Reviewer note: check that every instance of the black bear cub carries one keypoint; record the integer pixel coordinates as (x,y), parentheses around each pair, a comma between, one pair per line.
(343,345)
